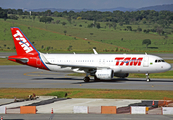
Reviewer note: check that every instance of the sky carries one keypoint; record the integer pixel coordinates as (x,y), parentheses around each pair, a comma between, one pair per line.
(80,4)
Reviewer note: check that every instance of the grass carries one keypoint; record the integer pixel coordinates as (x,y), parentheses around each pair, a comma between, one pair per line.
(4,61)
(87,93)
(43,38)
(167,74)
(59,94)
(110,38)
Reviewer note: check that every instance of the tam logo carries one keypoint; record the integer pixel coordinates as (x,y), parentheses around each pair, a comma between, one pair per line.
(128,61)
(23,42)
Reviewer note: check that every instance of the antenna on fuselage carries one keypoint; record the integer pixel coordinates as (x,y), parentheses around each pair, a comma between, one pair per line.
(95,52)
(145,53)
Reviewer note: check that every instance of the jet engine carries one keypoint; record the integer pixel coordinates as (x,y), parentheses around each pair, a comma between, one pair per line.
(106,74)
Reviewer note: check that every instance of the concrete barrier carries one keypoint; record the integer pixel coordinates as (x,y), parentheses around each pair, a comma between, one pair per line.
(94,109)
(2,110)
(28,110)
(80,109)
(138,110)
(155,111)
(13,110)
(108,109)
(170,105)
(167,110)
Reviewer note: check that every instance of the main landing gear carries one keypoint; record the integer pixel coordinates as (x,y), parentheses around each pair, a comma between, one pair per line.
(86,79)
(147,77)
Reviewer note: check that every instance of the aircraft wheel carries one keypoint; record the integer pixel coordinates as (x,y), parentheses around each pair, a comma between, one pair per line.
(86,79)
(148,79)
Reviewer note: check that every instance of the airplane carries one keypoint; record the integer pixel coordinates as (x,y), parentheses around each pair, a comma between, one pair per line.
(101,66)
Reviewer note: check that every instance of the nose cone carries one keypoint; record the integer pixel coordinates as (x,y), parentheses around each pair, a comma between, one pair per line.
(167,66)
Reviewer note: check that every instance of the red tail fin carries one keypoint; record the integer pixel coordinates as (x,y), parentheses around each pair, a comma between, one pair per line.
(22,43)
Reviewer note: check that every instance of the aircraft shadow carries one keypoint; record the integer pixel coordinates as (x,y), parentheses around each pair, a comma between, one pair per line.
(116,80)
(48,78)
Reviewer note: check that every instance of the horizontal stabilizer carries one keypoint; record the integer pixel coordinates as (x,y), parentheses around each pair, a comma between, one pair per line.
(23,60)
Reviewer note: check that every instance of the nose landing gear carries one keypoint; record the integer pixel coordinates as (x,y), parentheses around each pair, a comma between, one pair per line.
(147,77)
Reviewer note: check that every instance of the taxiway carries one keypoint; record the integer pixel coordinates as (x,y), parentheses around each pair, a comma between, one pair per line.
(20,76)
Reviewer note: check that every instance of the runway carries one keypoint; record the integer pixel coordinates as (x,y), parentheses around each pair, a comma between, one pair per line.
(20,76)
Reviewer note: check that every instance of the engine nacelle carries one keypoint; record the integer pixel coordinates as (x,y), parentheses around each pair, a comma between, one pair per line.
(106,74)
(122,75)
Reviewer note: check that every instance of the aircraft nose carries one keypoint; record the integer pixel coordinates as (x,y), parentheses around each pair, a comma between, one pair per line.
(168,66)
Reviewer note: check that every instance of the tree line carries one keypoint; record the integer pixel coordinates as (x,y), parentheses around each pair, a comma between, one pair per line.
(146,16)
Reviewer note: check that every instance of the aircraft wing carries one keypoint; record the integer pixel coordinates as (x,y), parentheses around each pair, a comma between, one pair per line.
(81,67)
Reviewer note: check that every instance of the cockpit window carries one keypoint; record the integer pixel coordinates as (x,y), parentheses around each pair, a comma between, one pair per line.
(156,61)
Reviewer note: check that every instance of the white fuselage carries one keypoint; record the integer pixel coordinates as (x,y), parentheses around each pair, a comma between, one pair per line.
(126,63)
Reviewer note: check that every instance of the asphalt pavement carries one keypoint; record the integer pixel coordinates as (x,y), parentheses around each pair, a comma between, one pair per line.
(84,117)
(20,76)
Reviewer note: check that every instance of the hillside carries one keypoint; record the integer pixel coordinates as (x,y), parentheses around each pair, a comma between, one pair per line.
(167,7)
(50,37)
(46,40)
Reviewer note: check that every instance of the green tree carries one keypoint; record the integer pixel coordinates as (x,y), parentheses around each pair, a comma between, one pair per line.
(58,21)
(46,19)
(19,11)
(13,17)
(98,25)
(147,42)
(64,23)
(110,25)
(159,30)
(129,28)
(114,25)
(69,48)
(5,45)
(121,23)
(33,17)
(139,29)
(69,19)
(65,31)
(91,25)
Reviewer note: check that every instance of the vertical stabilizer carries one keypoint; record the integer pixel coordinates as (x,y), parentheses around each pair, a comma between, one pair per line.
(22,43)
